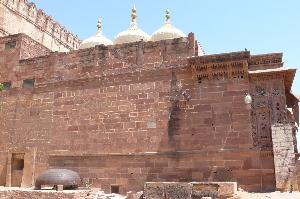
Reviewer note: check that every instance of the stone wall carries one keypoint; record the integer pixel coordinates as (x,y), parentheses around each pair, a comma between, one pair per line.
(273,125)
(25,47)
(31,48)
(130,171)
(265,61)
(35,23)
(284,156)
(125,114)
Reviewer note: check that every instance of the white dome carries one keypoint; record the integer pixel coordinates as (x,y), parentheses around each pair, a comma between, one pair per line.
(98,39)
(168,31)
(133,33)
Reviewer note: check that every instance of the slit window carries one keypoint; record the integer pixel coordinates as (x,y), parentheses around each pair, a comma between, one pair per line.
(115,189)
(28,83)
(10,45)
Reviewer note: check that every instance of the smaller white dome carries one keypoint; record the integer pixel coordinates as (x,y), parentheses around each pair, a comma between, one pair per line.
(167,31)
(98,39)
(133,33)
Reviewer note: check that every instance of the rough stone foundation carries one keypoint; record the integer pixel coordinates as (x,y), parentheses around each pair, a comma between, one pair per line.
(193,190)
(17,193)
(284,156)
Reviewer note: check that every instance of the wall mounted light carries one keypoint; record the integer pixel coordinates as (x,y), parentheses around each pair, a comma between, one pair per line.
(248,99)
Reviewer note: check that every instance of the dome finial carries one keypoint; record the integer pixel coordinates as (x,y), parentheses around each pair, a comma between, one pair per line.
(133,14)
(133,33)
(99,25)
(167,31)
(168,16)
(98,39)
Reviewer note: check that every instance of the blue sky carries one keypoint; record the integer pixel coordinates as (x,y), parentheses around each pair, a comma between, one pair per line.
(261,26)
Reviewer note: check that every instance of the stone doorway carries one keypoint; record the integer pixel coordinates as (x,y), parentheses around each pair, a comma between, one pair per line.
(17,169)
(21,167)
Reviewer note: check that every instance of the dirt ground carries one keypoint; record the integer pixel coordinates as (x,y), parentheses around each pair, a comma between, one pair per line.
(272,195)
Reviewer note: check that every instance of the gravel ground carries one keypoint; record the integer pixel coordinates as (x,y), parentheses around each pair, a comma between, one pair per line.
(273,195)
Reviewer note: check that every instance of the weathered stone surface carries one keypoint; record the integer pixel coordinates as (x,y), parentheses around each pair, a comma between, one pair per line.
(213,189)
(25,17)
(154,190)
(284,157)
(194,190)
(146,111)
(178,190)
(33,194)
(205,190)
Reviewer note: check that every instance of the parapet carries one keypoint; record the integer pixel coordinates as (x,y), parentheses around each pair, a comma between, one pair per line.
(232,65)
(106,61)
(43,22)
(265,61)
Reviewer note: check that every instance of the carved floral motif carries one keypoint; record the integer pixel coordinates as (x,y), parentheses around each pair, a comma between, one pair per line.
(268,108)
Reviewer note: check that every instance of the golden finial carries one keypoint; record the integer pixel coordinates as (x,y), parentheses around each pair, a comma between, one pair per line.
(99,25)
(168,16)
(133,14)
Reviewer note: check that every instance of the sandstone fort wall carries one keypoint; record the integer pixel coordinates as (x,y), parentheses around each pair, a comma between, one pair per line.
(126,114)
(21,16)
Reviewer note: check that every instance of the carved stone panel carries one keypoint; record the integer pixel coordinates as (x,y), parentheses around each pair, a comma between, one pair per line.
(268,108)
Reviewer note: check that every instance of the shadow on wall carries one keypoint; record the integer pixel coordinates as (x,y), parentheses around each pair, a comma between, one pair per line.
(3,172)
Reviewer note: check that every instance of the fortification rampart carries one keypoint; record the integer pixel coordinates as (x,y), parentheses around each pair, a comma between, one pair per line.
(100,61)
(35,23)
(126,114)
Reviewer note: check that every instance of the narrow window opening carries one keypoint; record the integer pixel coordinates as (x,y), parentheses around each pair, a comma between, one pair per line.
(10,45)
(115,189)
(28,83)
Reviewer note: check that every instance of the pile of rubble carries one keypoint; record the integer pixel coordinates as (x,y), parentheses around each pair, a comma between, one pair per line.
(97,194)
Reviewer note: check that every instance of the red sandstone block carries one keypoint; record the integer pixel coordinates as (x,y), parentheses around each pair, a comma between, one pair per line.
(238,86)
(142,96)
(144,101)
(141,125)
(223,118)
(73,128)
(234,163)
(204,107)
(224,107)
(212,95)
(240,127)
(68,103)
(124,108)
(92,127)
(60,113)
(142,107)
(239,110)
(240,117)
(239,104)
(58,95)
(129,125)
(233,93)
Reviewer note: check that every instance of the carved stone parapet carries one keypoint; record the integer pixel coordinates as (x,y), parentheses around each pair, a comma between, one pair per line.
(219,67)
(266,59)
(277,73)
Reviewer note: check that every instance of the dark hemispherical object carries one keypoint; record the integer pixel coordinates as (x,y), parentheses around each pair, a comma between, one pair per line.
(53,177)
